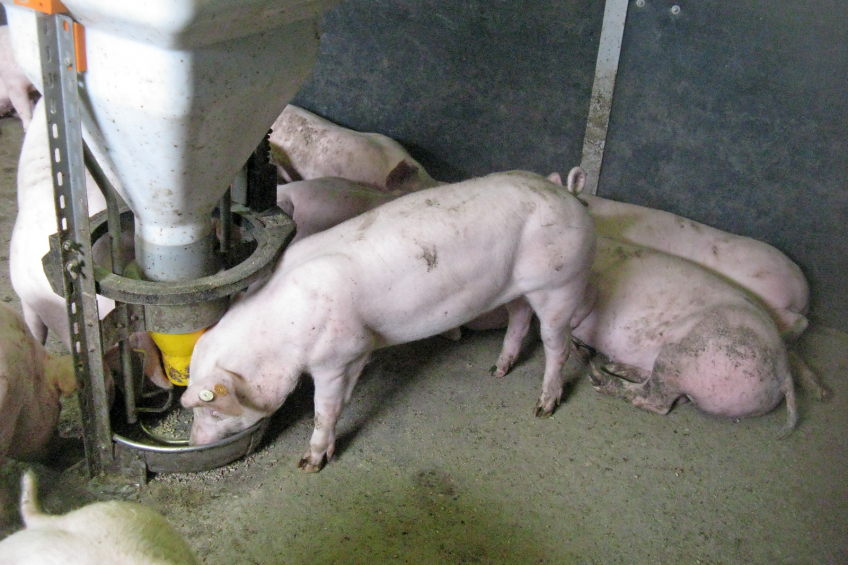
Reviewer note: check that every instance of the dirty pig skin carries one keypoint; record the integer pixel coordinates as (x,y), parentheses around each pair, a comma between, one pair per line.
(319,204)
(305,146)
(671,328)
(412,268)
(754,265)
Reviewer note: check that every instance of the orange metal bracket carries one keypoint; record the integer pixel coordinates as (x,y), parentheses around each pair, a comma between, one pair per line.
(56,7)
(79,48)
(44,6)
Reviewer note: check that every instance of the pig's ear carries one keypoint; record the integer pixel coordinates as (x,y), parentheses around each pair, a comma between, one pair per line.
(555,178)
(217,393)
(400,174)
(576,180)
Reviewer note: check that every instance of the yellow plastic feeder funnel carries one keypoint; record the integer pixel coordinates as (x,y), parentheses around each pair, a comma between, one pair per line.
(176,353)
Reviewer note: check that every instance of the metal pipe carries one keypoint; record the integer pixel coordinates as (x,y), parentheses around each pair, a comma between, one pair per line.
(226,213)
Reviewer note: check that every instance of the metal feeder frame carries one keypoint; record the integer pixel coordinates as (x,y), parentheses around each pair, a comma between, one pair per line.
(140,305)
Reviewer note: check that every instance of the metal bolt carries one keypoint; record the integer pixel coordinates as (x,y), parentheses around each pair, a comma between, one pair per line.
(675,9)
(67,245)
(640,3)
(72,267)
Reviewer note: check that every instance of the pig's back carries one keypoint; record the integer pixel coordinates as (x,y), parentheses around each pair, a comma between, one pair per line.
(753,264)
(443,255)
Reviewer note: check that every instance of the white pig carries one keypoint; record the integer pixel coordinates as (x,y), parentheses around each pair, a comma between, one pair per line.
(305,146)
(412,268)
(36,221)
(122,533)
(754,265)
(31,382)
(16,83)
(671,328)
(318,204)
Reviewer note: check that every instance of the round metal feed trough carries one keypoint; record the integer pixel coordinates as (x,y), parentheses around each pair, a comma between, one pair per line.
(164,458)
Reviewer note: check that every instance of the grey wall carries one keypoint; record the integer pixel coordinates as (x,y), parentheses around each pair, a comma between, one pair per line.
(730,113)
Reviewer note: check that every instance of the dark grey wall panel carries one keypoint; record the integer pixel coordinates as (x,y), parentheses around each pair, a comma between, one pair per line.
(735,114)
(731,113)
(468,87)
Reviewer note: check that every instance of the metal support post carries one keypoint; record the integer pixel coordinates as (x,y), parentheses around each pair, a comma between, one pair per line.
(606,68)
(59,70)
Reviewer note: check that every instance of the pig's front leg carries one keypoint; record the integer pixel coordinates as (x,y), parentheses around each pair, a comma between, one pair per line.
(520,315)
(332,390)
(641,388)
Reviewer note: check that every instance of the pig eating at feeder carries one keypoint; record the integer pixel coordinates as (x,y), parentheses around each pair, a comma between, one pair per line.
(412,268)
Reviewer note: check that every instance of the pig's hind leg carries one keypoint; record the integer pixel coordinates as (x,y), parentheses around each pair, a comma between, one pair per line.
(641,388)
(520,315)
(555,309)
(333,388)
(34,322)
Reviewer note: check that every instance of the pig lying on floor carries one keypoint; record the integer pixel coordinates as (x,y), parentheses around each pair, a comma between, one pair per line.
(305,146)
(412,268)
(31,382)
(36,221)
(671,328)
(123,533)
(754,265)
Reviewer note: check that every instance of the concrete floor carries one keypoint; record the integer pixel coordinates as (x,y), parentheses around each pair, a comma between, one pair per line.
(440,463)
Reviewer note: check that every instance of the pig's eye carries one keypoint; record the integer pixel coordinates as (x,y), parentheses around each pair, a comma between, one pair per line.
(215,415)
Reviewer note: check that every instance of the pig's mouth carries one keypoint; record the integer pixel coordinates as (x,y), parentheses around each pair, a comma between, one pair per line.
(212,426)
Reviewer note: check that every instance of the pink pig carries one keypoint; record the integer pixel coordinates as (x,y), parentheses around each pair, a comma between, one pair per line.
(31,382)
(318,204)
(412,268)
(305,147)
(672,328)
(16,84)
(36,221)
(754,265)
(122,533)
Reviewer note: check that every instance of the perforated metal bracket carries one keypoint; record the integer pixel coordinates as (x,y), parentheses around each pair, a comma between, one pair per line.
(58,67)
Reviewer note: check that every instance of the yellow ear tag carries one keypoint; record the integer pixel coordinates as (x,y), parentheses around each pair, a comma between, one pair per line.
(220,390)
(206,395)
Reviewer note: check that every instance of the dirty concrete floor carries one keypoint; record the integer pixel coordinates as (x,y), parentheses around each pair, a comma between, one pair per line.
(440,463)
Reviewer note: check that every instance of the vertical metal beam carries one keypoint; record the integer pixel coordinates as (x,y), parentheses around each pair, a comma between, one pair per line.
(58,67)
(606,68)
(113,211)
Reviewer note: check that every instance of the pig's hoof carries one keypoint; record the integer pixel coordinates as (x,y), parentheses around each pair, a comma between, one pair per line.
(495,372)
(309,467)
(540,412)
(545,408)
